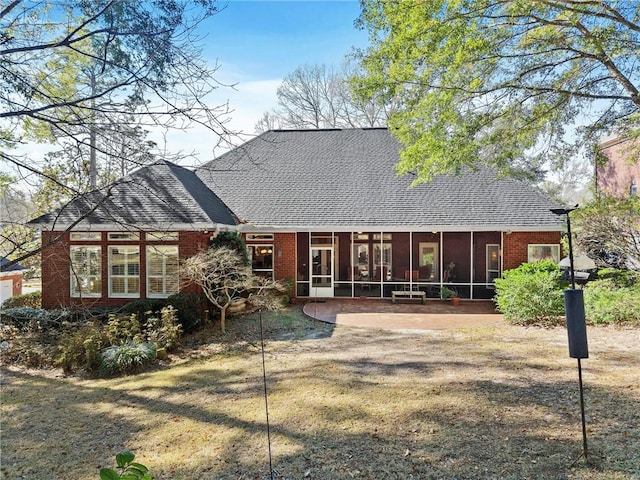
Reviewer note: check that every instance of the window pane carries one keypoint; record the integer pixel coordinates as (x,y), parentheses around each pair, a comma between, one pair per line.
(125,270)
(261,257)
(133,285)
(162,270)
(86,271)
(124,236)
(85,236)
(156,285)
(156,236)
(117,285)
(538,253)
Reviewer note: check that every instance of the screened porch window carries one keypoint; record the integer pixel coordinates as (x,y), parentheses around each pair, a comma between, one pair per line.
(86,271)
(162,271)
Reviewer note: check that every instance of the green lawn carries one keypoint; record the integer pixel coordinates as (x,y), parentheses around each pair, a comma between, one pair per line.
(485,402)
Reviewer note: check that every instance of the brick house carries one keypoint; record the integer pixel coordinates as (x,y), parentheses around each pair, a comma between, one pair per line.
(323,209)
(619,174)
(10,279)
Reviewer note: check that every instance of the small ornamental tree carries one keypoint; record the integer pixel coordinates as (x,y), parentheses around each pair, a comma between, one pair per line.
(224,277)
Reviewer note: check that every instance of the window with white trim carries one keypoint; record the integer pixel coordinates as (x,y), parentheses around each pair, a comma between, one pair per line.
(162,270)
(259,236)
(261,257)
(160,236)
(85,236)
(541,252)
(124,271)
(117,236)
(86,271)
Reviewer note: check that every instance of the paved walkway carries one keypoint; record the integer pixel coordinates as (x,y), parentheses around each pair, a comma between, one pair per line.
(404,315)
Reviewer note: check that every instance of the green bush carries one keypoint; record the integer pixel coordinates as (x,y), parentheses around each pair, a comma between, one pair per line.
(619,278)
(532,294)
(607,303)
(33,300)
(164,330)
(139,308)
(23,318)
(127,358)
(190,310)
(123,328)
(79,348)
(34,320)
(74,339)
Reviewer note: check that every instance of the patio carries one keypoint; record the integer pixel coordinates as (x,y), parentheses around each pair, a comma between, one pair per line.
(404,315)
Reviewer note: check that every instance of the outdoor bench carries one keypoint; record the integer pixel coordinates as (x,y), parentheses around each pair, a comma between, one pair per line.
(408,293)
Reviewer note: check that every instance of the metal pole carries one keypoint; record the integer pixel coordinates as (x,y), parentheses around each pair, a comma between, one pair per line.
(585,450)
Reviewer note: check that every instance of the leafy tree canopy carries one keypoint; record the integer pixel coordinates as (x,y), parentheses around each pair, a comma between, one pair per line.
(608,230)
(80,66)
(506,83)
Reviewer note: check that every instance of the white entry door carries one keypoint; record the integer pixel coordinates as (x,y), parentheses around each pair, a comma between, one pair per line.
(322,272)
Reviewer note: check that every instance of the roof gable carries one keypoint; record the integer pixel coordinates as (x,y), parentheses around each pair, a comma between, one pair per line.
(161,195)
(347,178)
(16,267)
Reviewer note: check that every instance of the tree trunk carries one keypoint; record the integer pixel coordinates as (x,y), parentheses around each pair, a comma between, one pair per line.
(223,317)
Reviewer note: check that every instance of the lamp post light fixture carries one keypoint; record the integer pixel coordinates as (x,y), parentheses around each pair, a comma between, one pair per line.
(576,326)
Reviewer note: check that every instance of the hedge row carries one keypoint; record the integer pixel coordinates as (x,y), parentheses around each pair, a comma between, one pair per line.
(532,294)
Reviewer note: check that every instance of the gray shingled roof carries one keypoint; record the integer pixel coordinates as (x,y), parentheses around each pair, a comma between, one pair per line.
(162,195)
(343,179)
(16,267)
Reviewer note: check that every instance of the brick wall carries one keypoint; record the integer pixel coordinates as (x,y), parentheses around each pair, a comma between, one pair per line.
(515,251)
(56,276)
(284,261)
(622,167)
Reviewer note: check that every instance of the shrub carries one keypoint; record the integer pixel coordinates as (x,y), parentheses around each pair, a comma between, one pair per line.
(619,278)
(127,358)
(606,303)
(123,328)
(23,318)
(79,348)
(139,308)
(33,300)
(164,330)
(190,310)
(24,348)
(531,294)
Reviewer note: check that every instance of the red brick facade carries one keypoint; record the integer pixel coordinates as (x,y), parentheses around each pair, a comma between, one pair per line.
(284,263)
(289,249)
(56,271)
(621,170)
(515,246)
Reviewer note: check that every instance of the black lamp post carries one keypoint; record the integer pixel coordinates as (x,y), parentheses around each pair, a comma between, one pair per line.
(576,326)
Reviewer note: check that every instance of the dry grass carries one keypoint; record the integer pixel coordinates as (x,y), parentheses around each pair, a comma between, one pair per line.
(485,402)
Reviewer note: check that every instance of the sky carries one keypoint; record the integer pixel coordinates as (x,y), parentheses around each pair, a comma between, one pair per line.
(256,44)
